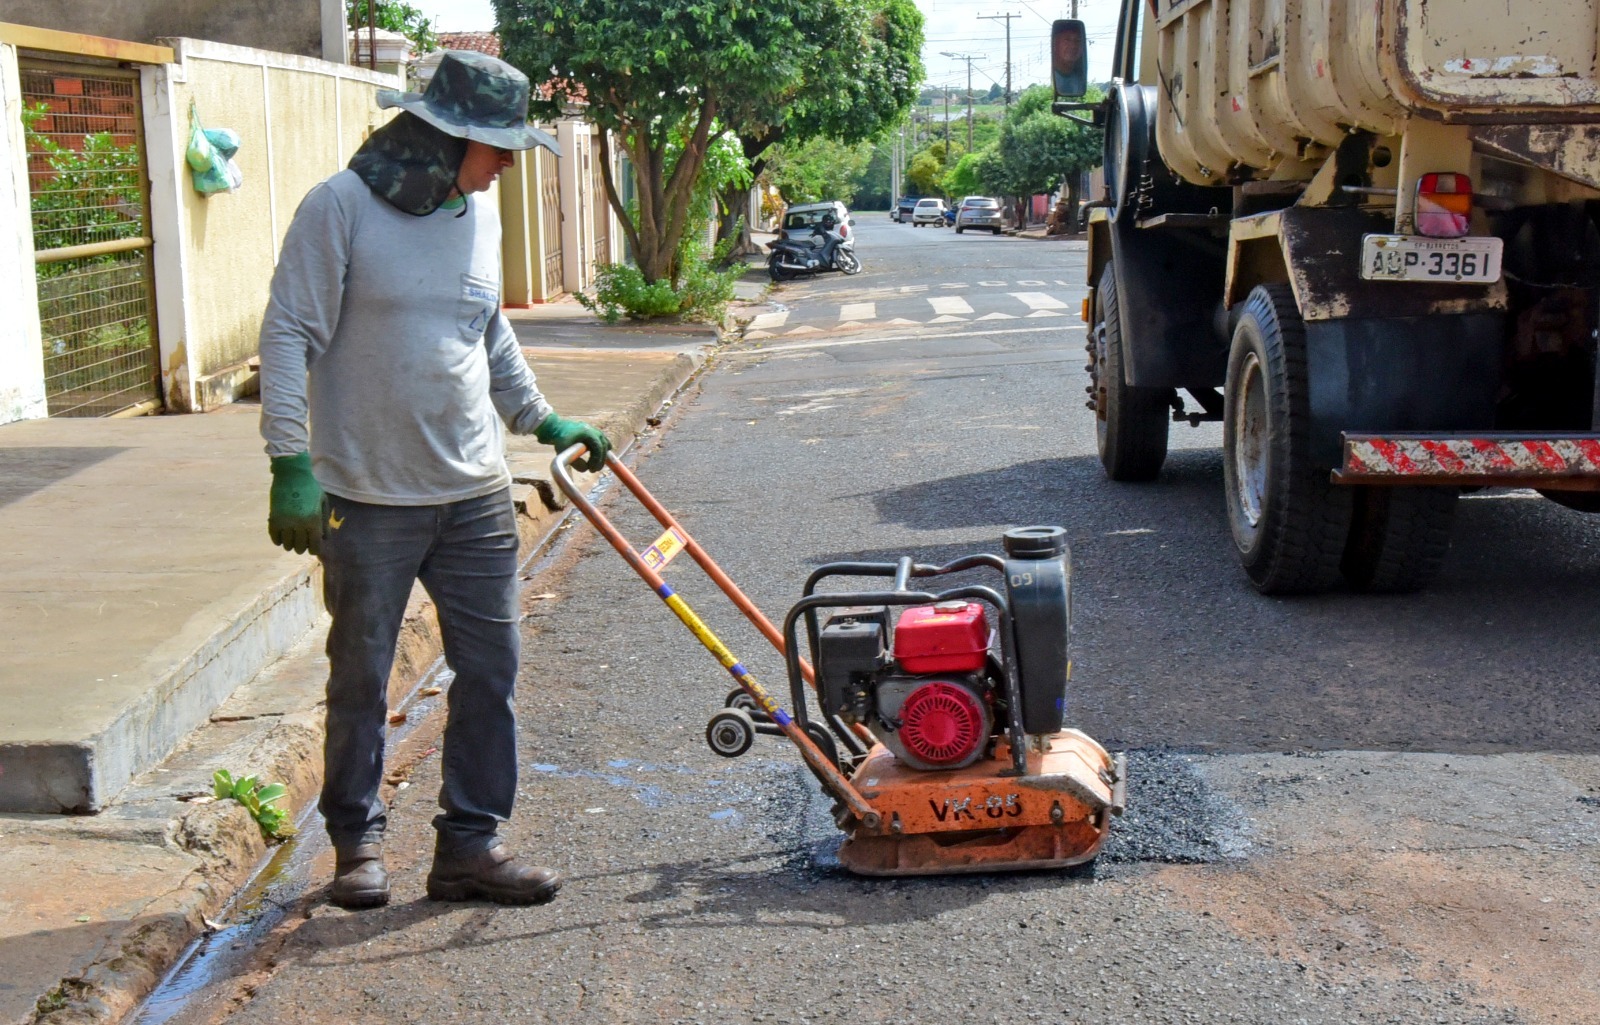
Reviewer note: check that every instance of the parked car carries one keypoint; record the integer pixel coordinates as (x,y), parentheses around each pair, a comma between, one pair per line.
(978,212)
(800,219)
(903,208)
(928,211)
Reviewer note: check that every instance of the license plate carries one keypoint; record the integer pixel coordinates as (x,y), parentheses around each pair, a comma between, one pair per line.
(1414,258)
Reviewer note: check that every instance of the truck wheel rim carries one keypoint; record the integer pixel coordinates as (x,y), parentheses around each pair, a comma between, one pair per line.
(1250,441)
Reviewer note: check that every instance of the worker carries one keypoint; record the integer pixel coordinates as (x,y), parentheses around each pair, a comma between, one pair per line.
(384,328)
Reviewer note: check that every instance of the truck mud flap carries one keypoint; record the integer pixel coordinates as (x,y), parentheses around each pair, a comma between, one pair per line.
(1401,375)
(1168,282)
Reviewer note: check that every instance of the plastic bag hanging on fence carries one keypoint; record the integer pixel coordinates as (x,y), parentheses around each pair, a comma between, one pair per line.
(210,157)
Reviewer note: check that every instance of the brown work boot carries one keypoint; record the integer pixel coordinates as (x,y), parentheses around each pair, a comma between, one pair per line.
(491,874)
(359,878)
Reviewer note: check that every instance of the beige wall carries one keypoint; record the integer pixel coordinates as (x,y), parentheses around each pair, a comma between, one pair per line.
(21,356)
(298,121)
(289,26)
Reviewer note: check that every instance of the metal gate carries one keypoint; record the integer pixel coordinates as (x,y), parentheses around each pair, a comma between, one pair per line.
(91,236)
(602,206)
(550,221)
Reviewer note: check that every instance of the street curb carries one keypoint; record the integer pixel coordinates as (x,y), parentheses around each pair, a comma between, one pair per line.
(219,838)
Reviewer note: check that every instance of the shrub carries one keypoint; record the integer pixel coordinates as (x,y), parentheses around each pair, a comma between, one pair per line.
(702,293)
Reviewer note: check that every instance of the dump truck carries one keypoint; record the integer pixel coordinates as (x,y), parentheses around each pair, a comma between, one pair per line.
(1362,236)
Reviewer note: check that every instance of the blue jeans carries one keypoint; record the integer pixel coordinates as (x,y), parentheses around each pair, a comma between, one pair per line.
(465,554)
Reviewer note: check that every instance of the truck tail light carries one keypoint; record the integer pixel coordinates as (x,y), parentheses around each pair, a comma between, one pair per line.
(1444,205)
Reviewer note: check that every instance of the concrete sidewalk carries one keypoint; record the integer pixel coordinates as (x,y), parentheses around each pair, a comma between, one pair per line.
(153,634)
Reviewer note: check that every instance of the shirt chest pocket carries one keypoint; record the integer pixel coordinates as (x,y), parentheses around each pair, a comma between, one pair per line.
(480,298)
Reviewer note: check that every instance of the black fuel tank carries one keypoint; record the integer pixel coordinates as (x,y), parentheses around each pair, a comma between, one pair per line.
(1039,589)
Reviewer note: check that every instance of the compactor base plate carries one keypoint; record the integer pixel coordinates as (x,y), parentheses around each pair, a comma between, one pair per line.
(979,819)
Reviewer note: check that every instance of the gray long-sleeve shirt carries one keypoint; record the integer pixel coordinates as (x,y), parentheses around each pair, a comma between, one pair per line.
(395,323)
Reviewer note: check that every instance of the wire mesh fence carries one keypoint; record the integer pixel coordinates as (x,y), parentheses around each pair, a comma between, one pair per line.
(91,237)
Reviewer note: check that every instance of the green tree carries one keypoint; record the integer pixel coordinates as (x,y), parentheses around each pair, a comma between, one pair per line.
(652,71)
(862,83)
(962,179)
(1038,150)
(394,16)
(930,165)
(872,184)
(818,169)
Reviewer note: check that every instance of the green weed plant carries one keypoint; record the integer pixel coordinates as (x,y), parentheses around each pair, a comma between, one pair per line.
(259,799)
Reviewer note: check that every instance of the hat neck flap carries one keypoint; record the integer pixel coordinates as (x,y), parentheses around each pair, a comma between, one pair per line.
(410,164)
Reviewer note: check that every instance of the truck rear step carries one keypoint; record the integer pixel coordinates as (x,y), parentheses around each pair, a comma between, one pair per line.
(1562,462)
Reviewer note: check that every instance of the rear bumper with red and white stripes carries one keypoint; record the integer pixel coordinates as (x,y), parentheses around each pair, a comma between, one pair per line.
(1553,461)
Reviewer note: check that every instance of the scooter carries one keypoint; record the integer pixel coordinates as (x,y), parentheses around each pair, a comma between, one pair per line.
(827,249)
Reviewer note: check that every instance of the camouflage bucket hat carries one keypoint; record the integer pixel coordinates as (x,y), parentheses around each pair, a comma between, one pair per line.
(476,97)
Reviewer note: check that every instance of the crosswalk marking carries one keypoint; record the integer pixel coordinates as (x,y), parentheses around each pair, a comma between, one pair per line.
(1038,300)
(947,309)
(950,305)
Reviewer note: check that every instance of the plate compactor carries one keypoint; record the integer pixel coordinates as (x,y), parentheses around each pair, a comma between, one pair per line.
(939,714)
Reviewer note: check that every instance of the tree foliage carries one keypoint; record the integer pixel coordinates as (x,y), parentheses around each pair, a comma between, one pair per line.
(1036,149)
(652,71)
(962,179)
(394,16)
(862,84)
(818,169)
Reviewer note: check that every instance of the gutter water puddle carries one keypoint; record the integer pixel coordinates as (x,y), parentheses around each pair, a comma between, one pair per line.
(254,912)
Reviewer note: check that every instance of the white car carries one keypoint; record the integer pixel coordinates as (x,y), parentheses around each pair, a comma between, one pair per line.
(928,211)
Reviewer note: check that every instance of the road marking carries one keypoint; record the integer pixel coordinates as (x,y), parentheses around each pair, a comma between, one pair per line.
(766,321)
(858,311)
(804,329)
(949,305)
(767,350)
(998,316)
(1035,284)
(954,284)
(1046,313)
(900,322)
(1038,300)
(992,284)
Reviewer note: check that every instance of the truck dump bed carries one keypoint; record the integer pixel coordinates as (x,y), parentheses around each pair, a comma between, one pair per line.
(1250,84)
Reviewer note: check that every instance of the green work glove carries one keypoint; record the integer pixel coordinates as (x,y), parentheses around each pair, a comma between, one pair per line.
(294,520)
(562,434)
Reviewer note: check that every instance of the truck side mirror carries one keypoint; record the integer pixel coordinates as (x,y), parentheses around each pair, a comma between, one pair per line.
(1069,58)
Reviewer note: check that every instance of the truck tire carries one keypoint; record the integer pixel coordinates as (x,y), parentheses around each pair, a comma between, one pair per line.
(1289,523)
(1130,424)
(1398,537)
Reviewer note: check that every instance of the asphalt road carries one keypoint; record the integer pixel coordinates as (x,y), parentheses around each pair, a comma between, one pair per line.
(1342,809)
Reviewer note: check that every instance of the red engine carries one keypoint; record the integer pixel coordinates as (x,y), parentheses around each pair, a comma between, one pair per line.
(929,696)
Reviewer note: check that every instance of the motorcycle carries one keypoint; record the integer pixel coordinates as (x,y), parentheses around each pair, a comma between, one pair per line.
(827,249)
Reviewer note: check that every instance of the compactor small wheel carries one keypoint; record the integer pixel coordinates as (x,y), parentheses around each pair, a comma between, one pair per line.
(738,697)
(731,732)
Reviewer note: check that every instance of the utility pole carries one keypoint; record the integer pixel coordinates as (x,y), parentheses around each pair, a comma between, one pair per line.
(969,58)
(1007,18)
(946,92)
